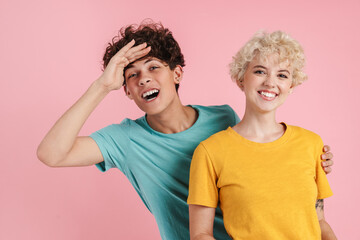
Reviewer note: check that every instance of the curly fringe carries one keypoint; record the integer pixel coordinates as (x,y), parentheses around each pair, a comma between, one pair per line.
(163,45)
(265,44)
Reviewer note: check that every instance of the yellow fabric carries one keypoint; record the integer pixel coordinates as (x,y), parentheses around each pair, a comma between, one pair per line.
(265,190)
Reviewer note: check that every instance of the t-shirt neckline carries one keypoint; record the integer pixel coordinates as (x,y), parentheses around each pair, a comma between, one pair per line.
(179,133)
(283,139)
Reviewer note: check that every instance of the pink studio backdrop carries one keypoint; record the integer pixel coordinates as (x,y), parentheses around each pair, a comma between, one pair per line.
(51,51)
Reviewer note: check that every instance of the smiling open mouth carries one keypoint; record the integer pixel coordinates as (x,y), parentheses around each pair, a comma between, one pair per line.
(150,95)
(267,94)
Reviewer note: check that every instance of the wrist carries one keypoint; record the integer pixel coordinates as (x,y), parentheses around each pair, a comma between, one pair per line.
(101,87)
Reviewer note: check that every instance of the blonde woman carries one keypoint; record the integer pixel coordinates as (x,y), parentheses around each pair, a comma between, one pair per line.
(266,175)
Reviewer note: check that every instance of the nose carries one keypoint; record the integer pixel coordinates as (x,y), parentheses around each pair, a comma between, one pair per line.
(144,80)
(270,81)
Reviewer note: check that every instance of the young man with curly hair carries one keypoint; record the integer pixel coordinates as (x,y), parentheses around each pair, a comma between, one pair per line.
(153,151)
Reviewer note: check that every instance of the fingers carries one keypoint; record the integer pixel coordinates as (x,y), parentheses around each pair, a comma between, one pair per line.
(130,54)
(124,50)
(327,170)
(326,148)
(134,54)
(327,156)
(327,163)
(127,46)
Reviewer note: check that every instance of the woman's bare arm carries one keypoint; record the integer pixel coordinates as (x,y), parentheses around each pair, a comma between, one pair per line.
(201,221)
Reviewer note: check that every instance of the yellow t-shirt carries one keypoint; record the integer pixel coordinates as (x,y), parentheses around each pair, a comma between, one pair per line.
(265,190)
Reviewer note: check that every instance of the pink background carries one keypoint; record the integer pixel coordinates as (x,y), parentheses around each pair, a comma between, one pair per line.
(50,52)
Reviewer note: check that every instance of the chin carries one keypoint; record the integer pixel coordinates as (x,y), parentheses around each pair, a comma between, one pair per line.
(266,109)
(152,111)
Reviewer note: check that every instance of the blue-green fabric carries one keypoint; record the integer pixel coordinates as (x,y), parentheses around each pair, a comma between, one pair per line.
(158,164)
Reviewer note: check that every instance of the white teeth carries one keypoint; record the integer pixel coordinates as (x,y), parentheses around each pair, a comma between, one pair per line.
(267,94)
(149,93)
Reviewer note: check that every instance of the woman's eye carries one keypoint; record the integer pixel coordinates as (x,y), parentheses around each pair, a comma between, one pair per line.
(283,76)
(259,72)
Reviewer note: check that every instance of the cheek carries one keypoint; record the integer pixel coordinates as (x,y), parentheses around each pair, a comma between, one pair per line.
(285,86)
(130,88)
(252,83)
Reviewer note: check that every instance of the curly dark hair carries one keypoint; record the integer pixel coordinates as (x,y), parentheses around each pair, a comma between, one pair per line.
(163,45)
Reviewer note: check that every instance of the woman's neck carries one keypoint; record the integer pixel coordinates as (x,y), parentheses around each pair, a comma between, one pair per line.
(259,127)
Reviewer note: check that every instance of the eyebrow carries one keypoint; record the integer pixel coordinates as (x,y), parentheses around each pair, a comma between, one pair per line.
(149,60)
(285,71)
(131,64)
(260,66)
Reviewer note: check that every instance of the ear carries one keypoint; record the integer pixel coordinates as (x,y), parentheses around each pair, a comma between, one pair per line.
(240,84)
(127,92)
(178,74)
(291,89)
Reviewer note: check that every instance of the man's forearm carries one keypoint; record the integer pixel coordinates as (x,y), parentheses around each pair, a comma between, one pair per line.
(326,232)
(60,139)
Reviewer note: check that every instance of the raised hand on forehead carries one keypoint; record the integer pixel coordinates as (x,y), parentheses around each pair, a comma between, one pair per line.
(113,75)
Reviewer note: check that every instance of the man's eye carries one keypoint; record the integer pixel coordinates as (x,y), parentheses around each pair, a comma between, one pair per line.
(153,67)
(131,75)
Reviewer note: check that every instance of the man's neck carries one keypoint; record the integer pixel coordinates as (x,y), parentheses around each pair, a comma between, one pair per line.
(173,120)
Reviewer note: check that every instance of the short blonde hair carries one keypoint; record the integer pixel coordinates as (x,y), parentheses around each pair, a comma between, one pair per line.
(264,44)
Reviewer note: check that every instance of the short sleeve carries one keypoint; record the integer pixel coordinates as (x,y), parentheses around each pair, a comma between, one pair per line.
(324,190)
(112,142)
(237,119)
(203,178)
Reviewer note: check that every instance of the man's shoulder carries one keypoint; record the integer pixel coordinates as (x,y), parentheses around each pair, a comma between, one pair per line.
(125,125)
(214,108)
(216,118)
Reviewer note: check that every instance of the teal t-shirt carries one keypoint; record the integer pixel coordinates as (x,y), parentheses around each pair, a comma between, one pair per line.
(158,164)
